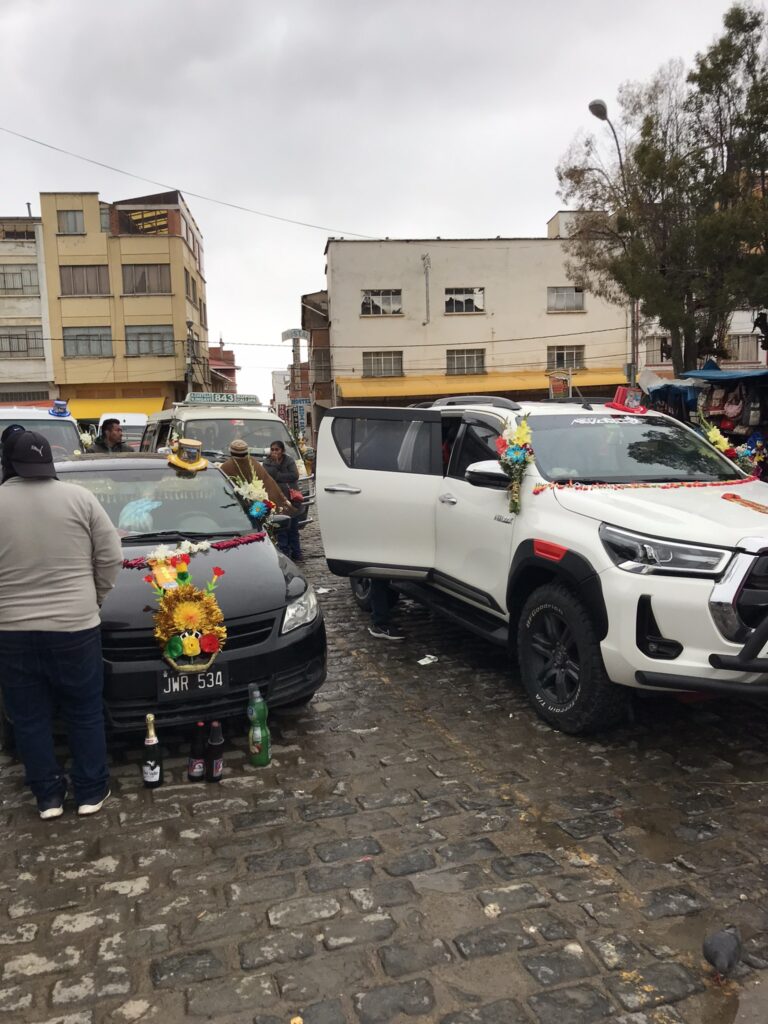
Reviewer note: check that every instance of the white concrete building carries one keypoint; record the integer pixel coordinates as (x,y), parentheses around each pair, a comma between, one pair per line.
(742,343)
(417,319)
(26,364)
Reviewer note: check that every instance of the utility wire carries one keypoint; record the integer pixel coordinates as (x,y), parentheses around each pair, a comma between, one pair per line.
(172,188)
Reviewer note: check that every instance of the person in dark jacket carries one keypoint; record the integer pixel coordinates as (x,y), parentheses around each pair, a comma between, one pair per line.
(282,468)
(110,440)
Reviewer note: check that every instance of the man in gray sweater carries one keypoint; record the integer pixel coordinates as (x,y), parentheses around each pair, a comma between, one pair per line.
(59,558)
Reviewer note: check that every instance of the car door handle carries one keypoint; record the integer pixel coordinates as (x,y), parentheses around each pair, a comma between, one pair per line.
(342,489)
(448,499)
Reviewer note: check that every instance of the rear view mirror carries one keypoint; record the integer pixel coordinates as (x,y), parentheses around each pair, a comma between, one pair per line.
(279,522)
(487,474)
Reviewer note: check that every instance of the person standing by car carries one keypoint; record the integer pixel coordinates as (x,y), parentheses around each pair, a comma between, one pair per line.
(282,468)
(59,558)
(242,466)
(110,440)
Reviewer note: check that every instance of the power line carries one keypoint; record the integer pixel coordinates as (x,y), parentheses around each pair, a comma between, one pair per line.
(172,188)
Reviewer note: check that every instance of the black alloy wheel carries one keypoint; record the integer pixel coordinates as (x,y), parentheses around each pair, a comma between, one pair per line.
(561,664)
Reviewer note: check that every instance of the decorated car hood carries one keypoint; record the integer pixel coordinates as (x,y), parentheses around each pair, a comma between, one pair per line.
(721,515)
(253,582)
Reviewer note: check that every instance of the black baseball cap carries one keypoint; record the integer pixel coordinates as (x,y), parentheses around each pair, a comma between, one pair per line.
(31,456)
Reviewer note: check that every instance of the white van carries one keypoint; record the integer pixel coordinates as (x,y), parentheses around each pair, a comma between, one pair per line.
(216,420)
(133,424)
(56,424)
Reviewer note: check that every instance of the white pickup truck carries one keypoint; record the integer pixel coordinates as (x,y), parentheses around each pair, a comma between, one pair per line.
(639,556)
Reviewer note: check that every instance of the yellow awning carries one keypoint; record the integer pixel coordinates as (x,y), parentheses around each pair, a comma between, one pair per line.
(413,385)
(93,408)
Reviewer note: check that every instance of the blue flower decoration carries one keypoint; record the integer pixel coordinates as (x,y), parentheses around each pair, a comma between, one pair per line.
(257,510)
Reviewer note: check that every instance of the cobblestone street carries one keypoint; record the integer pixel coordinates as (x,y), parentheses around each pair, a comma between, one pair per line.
(422,847)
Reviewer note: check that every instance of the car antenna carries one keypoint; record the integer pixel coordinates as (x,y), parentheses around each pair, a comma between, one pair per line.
(584,403)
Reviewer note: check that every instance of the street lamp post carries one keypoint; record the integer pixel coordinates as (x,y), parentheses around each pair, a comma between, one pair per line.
(188,370)
(599,109)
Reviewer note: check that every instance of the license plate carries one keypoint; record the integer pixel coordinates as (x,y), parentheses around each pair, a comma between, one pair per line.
(173,685)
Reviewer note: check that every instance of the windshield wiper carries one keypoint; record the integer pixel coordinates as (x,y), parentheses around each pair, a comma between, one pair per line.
(141,538)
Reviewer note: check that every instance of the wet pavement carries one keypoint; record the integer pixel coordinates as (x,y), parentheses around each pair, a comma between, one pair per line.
(421,848)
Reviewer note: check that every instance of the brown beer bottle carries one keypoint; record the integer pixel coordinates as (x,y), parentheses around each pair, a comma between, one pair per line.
(152,766)
(214,754)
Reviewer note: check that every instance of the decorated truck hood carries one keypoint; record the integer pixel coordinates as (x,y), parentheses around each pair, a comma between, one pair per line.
(722,515)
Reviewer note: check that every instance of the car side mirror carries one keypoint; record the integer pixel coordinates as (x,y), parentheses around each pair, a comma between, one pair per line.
(280,522)
(487,474)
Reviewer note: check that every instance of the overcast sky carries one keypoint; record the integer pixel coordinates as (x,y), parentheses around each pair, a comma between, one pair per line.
(399,118)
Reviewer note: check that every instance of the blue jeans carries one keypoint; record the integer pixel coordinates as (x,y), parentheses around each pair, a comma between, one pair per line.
(42,671)
(380,607)
(288,539)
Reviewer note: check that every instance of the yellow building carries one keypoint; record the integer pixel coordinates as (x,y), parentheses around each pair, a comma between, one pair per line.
(127,303)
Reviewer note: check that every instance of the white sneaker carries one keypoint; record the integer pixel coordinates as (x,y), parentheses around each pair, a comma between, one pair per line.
(84,810)
(52,812)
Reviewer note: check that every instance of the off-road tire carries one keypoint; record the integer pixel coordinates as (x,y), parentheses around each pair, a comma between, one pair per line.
(561,666)
(361,592)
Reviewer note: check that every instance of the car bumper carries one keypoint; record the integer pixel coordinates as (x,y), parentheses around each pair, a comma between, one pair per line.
(288,668)
(681,616)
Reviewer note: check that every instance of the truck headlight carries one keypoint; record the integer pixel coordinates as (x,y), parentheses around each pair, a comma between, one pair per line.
(300,612)
(637,553)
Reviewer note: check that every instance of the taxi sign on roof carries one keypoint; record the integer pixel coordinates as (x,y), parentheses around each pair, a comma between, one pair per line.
(221,398)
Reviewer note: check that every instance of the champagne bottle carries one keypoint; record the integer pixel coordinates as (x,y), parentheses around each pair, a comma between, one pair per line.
(259,744)
(214,754)
(152,766)
(196,762)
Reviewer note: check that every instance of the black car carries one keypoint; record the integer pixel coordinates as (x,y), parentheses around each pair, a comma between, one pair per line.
(275,630)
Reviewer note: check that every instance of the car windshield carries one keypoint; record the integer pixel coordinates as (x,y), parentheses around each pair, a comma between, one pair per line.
(133,435)
(63,435)
(158,498)
(604,448)
(258,434)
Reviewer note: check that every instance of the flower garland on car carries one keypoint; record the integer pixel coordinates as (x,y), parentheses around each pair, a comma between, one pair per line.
(515,455)
(746,457)
(188,622)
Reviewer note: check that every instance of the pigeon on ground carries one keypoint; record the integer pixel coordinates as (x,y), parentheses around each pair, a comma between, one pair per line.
(723,950)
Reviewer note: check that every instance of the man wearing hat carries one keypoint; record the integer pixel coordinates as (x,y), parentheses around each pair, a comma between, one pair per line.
(59,558)
(241,464)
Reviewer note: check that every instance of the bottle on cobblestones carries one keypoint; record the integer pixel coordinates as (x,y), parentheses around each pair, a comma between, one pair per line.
(259,740)
(196,762)
(214,754)
(152,765)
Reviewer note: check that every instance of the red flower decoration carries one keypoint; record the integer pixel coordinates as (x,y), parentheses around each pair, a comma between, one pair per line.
(148,579)
(218,571)
(730,453)
(184,559)
(209,643)
(501,445)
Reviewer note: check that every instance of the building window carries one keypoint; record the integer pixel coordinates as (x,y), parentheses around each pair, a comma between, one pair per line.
(465,360)
(104,216)
(91,280)
(381,302)
(565,300)
(143,222)
(12,397)
(21,343)
(146,279)
(743,348)
(19,279)
(17,232)
(71,222)
(87,342)
(565,357)
(465,300)
(149,341)
(382,364)
(190,286)
(203,313)
(658,349)
(321,366)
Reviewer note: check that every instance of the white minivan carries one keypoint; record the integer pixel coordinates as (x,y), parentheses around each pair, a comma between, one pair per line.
(216,420)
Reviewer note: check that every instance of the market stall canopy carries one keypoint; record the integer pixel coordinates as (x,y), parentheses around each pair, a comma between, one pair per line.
(714,375)
(650,381)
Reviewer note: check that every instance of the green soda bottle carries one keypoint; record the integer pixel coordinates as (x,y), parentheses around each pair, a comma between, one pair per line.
(259,745)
